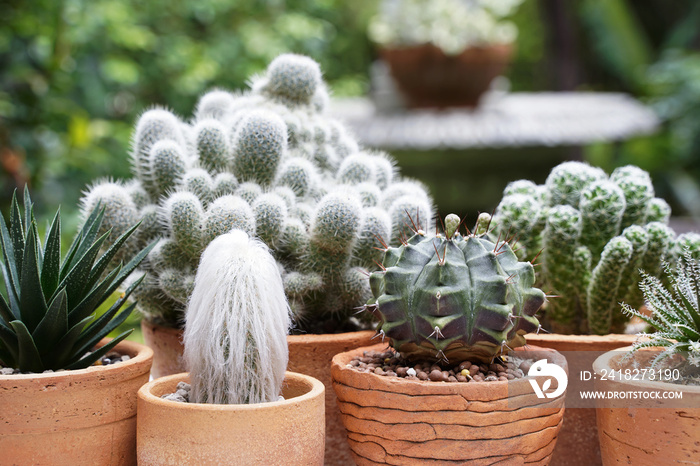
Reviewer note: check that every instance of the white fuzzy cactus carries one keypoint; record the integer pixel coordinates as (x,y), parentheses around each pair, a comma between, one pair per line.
(271,163)
(237,322)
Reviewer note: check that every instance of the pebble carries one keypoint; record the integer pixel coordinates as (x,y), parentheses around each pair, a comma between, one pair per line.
(390,364)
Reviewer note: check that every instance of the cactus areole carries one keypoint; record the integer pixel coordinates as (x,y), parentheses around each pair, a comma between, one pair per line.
(453,297)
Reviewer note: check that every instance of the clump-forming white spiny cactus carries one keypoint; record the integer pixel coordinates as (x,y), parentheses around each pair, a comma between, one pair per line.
(236,324)
(270,162)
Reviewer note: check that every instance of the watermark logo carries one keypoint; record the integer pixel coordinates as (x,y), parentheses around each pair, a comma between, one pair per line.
(544,369)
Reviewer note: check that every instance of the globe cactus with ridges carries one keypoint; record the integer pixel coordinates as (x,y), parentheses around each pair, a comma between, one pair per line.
(453,297)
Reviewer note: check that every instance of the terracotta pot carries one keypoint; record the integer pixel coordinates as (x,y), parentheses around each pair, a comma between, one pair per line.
(429,78)
(663,433)
(288,432)
(86,415)
(398,421)
(308,354)
(312,355)
(577,444)
(166,343)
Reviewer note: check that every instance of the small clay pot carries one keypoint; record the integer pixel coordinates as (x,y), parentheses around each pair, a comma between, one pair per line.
(167,346)
(577,444)
(308,354)
(429,78)
(288,432)
(85,416)
(666,432)
(312,355)
(398,421)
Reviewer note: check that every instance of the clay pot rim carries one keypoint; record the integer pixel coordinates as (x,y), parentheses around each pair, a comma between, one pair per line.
(603,362)
(316,388)
(320,338)
(140,355)
(481,47)
(546,337)
(380,382)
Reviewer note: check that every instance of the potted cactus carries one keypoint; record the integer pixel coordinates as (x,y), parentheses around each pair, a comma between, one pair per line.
(236,350)
(444,53)
(667,360)
(272,163)
(594,233)
(61,399)
(449,300)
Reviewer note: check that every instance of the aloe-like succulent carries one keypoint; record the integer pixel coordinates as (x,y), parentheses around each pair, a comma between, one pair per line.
(675,312)
(46,315)
(453,297)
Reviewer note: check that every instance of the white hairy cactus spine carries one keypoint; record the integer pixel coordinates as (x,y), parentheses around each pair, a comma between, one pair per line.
(236,324)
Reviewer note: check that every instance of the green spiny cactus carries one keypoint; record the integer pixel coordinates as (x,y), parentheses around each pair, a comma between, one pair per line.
(261,142)
(166,168)
(153,126)
(293,79)
(602,206)
(356,169)
(453,297)
(585,212)
(658,210)
(370,194)
(214,104)
(200,183)
(267,162)
(566,181)
(638,191)
(298,174)
(375,229)
(561,232)
(224,184)
(184,216)
(213,147)
(605,282)
(228,213)
(270,217)
(120,211)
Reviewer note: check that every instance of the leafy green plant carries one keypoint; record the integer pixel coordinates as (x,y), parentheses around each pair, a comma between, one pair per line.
(46,314)
(451,25)
(675,311)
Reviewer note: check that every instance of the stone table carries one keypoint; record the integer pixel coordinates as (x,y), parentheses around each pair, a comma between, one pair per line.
(467,156)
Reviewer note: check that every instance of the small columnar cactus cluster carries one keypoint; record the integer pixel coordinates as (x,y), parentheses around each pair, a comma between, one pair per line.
(269,162)
(595,233)
(453,297)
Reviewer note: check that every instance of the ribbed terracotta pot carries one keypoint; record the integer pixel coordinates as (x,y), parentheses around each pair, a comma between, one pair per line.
(577,444)
(167,346)
(391,420)
(429,78)
(288,432)
(312,355)
(85,416)
(666,432)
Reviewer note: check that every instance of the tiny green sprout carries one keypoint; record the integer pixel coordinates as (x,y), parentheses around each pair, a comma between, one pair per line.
(451,225)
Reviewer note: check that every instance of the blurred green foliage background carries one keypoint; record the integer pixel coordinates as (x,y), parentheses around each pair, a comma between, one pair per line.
(75,74)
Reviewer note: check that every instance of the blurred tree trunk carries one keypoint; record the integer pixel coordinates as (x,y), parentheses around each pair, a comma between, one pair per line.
(563,62)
